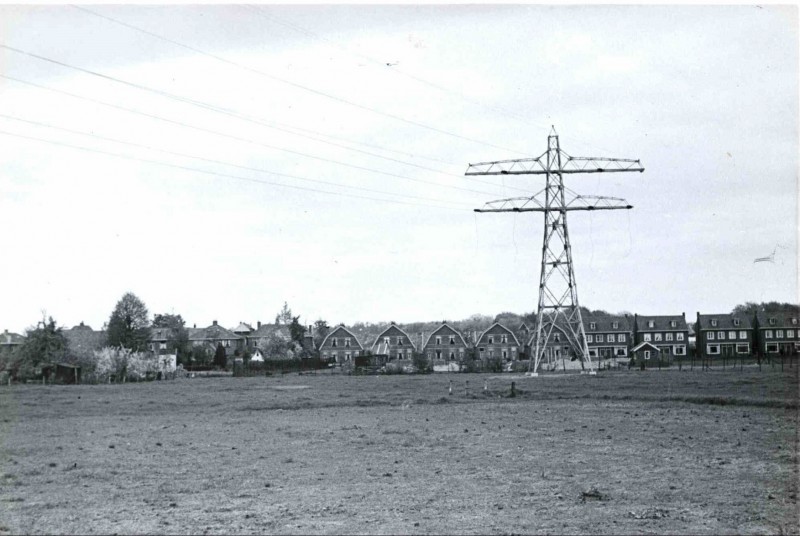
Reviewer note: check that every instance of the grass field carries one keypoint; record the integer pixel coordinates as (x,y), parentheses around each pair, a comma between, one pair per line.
(626,452)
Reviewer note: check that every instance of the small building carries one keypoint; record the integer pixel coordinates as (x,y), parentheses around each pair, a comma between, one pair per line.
(777,333)
(340,345)
(669,333)
(10,342)
(724,335)
(61,373)
(160,339)
(214,335)
(646,354)
(497,342)
(393,343)
(445,343)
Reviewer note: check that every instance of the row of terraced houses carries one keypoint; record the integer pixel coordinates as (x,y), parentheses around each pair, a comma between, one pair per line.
(670,336)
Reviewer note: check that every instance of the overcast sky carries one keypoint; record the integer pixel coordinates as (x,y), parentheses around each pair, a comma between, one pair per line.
(316,155)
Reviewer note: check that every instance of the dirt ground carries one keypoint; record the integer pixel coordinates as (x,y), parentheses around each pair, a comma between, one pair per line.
(654,452)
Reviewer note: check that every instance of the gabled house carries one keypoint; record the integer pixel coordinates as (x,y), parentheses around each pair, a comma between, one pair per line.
(777,333)
(557,352)
(215,334)
(726,335)
(608,336)
(445,343)
(393,343)
(340,345)
(243,329)
(498,342)
(159,340)
(10,342)
(669,333)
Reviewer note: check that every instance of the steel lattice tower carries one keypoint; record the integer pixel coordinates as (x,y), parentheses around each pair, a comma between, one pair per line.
(558,292)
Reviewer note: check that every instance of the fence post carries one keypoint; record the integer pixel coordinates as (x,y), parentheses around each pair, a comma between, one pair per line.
(513,390)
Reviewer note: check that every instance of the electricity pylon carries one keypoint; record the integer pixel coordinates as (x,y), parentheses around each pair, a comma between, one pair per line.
(558,292)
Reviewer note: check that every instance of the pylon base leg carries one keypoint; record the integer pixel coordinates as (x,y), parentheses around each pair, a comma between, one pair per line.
(532,374)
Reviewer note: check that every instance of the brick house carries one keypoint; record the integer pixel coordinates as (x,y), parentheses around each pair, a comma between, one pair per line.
(777,333)
(393,343)
(669,333)
(445,343)
(608,336)
(724,335)
(215,334)
(340,345)
(498,342)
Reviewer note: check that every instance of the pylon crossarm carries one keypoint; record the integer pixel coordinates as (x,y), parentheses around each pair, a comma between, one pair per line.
(590,164)
(596,202)
(520,166)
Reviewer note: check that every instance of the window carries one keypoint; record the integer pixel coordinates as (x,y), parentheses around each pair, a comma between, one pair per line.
(513,349)
(399,341)
(657,337)
(592,325)
(621,337)
(162,346)
(789,333)
(452,356)
(347,356)
(651,324)
(668,336)
(743,335)
(771,321)
(227,344)
(621,351)
(742,348)
(399,355)
(736,322)
(647,354)
(592,352)
(452,339)
(505,354)
(713,322)
(386,340)
(610,337)
(334,342)
(794,321)
(779,334)
(712,349)
(710,336)
(647,337)
(772,347)
(255,343)
(673,324)
(721,335)
(590,338)
(438,341)
(504,339)
(491,353)
(599,338)
(491,339)
(481,350)
(615,325)
(664,350)
(731,335)
(680,350)
(768,334)
(557,337)
(347,342)
(152,346)
(679,337)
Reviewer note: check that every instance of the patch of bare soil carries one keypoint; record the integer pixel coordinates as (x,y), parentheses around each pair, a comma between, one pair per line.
(625,453)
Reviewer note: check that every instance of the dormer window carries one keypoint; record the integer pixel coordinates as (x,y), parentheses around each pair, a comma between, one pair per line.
(651,324)
(615,325)
(771,321)
(491,339)
(334,342)
(452,339)
(736,322)
(347,342)
(794,321)
(592,325)
(504,339)
(386,340)
(672,324)
(399,341)
(713,322)
(438,341)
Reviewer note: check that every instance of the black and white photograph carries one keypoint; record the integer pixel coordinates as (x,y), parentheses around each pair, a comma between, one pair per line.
(432,268)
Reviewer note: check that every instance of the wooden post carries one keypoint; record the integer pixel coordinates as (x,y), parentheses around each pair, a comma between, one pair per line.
(485,385)
(466,388)
(450,388)
(513,390)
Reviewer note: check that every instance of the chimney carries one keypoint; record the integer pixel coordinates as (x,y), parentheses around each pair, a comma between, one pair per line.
(81,323)
(194,326)
(259,324)
(214,323)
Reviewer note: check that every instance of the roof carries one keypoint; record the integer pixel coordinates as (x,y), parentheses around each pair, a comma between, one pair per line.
(645,346)
(606,323)
(212,332)
(445,326)
(498,324)
(8,338)
(387,330)
(341,328)
(242,328)
(724,321)
(161,334)
(82,340)
(269,330)
(782,320)
(532,340)
(661,323)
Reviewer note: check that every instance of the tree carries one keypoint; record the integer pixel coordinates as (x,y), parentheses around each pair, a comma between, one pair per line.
(220,357)
(128,326)
(285,316)
(321,330)
(179,343)
(44,344)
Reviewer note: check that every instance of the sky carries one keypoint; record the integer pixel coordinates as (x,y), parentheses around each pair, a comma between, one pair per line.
(220,160)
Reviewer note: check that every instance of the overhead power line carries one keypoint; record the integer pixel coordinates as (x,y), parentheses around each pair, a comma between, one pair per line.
(294,84)
(221,162)
(217,174)
(246,140)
